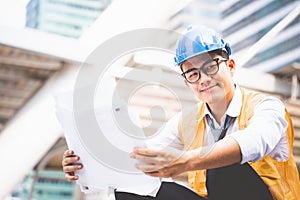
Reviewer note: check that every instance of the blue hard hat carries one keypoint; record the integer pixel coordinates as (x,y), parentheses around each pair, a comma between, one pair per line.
(198,40)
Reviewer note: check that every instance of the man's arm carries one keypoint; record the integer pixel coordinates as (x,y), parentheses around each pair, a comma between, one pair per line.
(171,162)
(264,135)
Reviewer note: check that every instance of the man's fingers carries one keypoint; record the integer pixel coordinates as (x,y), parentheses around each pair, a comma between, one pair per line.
(158,174)
(153,174)
(163,173)
(69,160)
(68,153)
(146,159)
(72,168)
(157,160)
(71,177)
(145,151)
(147,167)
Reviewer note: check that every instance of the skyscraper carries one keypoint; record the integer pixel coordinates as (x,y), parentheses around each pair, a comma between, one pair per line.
(64,17)
(243,23)
(248,21)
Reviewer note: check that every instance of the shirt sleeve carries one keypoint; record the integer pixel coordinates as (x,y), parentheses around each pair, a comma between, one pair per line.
(265,134)
(168,136)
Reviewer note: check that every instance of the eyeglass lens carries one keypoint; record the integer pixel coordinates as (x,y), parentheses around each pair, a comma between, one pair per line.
(209,68)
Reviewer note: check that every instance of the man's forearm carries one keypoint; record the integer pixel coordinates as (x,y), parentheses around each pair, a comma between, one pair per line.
(224,152)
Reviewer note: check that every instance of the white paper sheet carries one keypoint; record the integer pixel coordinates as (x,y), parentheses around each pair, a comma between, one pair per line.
(96,174)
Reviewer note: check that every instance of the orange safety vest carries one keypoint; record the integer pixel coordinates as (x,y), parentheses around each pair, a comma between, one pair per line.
(281,177)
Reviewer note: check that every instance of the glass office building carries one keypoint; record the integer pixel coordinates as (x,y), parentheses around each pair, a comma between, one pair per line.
(64,17)
(243,23)
(49,185)
(254,19)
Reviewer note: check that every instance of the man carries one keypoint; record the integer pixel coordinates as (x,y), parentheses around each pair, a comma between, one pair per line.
(236,144)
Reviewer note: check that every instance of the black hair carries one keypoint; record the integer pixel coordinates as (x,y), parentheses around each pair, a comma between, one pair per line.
(221,52)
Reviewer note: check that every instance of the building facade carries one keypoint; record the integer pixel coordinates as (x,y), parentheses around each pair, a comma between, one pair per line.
(49,185)
(254,19)
(64,17)
(245,22)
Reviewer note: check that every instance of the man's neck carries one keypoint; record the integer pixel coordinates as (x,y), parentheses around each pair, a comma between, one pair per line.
(218,109)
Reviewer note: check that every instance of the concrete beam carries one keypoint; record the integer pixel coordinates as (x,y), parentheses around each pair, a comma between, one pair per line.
(31,133)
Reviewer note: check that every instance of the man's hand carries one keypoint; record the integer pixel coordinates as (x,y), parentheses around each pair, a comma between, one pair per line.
(171,162)
(70,165)
(161,163)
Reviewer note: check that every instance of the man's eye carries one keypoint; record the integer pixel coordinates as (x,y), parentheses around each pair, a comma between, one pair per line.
(193,74)
(210,67)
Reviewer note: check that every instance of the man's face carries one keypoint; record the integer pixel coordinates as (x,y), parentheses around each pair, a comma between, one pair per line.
(217,88)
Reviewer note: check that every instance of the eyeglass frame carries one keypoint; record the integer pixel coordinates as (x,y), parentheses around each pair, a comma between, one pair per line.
(204,71)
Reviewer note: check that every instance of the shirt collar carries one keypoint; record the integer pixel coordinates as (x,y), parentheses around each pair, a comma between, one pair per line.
(235,105)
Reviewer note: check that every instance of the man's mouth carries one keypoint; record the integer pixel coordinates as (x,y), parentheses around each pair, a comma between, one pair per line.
(207,89)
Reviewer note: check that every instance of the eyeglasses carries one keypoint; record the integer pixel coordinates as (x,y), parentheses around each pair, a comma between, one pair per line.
(211,67)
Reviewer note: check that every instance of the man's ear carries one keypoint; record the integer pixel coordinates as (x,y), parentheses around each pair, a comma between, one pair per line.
(231,65)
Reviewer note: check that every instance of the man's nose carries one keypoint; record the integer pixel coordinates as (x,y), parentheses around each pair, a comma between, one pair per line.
(204,77)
